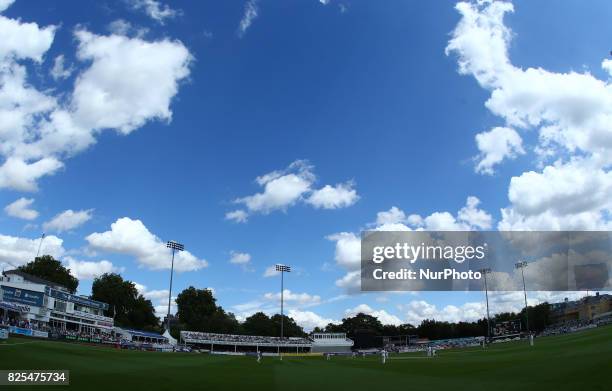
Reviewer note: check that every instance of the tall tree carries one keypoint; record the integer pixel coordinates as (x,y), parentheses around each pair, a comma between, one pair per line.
(52,270)
(129,308)
(290,328)
(259,324)
(195,308)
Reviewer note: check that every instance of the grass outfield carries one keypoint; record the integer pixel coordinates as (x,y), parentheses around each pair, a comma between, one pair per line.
(581,361)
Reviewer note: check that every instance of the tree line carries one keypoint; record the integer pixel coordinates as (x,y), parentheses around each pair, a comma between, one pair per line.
(197,310)
(368,331)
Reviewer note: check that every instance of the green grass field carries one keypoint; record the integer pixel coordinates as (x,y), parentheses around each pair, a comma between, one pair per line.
(581,361)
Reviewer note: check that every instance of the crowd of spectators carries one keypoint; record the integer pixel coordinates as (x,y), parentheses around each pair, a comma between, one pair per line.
(437,344)
(230,339)
(567,327)
(25,324)
(95,335)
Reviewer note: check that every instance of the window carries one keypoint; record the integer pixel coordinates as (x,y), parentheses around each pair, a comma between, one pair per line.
(60,306)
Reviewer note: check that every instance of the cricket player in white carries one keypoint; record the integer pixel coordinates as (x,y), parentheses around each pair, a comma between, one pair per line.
(384,356)
(259,357)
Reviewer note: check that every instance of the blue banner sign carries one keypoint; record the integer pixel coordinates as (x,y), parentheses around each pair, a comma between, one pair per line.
(75,299)
(23,296)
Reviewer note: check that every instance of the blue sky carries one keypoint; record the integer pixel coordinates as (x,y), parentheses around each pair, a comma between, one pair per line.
(356,107)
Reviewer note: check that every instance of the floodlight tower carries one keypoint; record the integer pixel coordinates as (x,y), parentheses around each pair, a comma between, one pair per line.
(522,265)
(282,269)
(42,237)
(174,246)
(484,273)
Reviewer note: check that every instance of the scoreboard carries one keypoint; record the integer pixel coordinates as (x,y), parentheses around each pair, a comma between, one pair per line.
(507,328)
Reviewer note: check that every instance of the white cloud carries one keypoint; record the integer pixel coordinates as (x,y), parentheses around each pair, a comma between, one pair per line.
(391,216)
(153,295)
(575,195)
(21,209)
(496,145)
(159,299)
(116,92)
(20,175)
(88,270)
(351,281)
(38,130)
(383,316)
(4,4)
(348,244)
(131,237)
(309,320)
(474,217)
(348,249)
(59,70)
(299,299)
(333,197)
(159,294)
(238,216)
(251,12)
(418,310)
(284,188)
(469,217)
(571,112)
(17,251)
(123,27)
(281,188)
(271,271)
(606,65)
(156,10)
(23,40)
(68,220)
(239,258)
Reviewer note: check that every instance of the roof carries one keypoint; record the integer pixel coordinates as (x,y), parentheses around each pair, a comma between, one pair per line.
(140,333)
(32,278)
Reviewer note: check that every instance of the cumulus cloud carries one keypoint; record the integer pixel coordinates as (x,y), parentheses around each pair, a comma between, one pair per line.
(271,271)
(88,270)
(309,320)
(17,251)
(300,299)
(282,189)
(131,237)
(115,91)
(574,195)
(571,112)
(156,10)
(294,304)
(21,209)
(60,71)
(348,244)
(39,130)
(123,27)
(383,316)
(496,145)
(4,4)
(418,310)
(474,217)
(68,220)
(333,197)
(251,11)
(239,258)
(238,216)
(606,65)
(391,216)
(285,188)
